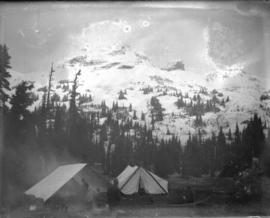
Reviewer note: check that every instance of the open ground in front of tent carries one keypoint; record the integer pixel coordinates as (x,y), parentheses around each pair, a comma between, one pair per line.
(253,209)
(141,209)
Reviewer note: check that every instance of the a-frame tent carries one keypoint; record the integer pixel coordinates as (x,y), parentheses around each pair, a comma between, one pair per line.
(54,181)
(66,176)
(133,178)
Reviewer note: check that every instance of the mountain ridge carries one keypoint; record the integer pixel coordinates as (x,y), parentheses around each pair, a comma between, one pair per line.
(131,72)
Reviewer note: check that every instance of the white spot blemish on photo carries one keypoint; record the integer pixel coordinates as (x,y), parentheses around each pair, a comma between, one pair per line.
(127,29)
(145,23)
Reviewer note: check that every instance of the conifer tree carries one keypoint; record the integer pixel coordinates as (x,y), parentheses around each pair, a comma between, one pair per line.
(103,109)
(4,74)
(121,95)
(134,115)
(74,130)
(163,163)
(221,148)
(59,129)
(50,88)
(230,135)
(143,116)
(73,107)
(157,110)
(19,112)
(258,136)
(237,144)
(214,148)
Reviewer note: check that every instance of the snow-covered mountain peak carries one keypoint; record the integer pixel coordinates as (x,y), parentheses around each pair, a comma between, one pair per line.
(122,58)
(175,65)
(127,76)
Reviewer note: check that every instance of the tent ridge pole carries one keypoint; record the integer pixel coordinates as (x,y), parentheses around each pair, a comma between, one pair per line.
(129,178)
(155,180)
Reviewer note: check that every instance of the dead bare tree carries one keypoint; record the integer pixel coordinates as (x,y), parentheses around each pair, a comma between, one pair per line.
(48,105)
(50,87)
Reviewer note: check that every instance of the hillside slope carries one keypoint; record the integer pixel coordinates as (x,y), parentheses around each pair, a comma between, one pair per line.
(106,73)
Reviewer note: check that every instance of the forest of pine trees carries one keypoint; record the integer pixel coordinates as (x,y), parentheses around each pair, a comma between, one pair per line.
(55,133)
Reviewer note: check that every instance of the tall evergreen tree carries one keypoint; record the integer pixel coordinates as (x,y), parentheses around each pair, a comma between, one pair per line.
(142,116)
(19,112)
(60,137)
(134,115)
(4,74)
(73,107)
(221,148)
(157,110)
(237,144)
(121,95)
(230,135)
(50,88)
(214,148)
(257,135)
(163,162)
(74,127)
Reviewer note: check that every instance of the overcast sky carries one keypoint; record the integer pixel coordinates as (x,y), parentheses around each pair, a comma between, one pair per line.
(39,33)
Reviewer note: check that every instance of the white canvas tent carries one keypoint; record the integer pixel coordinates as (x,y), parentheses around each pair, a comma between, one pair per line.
(51,184)
(54,181)
(133,178)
